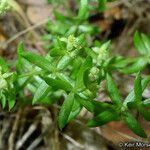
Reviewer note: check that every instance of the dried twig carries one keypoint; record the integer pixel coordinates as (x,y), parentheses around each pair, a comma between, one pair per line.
(35,143)
(70,139)
(23,32)
(14,130)
(31,129)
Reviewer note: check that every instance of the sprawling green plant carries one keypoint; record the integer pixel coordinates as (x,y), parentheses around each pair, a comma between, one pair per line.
(73,70)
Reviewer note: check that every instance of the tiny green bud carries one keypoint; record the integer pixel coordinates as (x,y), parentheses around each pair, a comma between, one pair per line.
(72,42)
(7,75)
(73,54)
(102,52)
(94,73)
(3,83)
(87,93)
(4,6)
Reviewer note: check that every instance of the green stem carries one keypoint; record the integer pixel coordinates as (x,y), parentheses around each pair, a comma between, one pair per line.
(30,74)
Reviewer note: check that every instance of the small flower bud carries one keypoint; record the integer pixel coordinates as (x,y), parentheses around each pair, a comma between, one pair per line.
(102,52)
(3,83)
(4,6)
(72,42)
(94,73)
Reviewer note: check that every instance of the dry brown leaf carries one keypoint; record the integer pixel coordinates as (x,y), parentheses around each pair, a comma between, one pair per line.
(117,132)
(36,14)
(2,40)
(34,2)
(113,12)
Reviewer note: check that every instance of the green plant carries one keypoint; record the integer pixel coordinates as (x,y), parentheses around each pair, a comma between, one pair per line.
(72,72)
(4,6)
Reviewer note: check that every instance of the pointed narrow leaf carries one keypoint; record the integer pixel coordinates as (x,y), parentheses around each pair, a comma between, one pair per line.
(38,60)
(146,41)
(145,113)
(138,88)
(80,77)
(58,83)
(102,5)
(65,110)
(146,103)
(64,61)
(135,67)
(113,90)
(20,48)
(11,104)
(56,52)
(83,10)
(3,65)
(91,53)
(41,92)
(99,107)
(139,44)
(93,106)
(103,118)
(131,95)
(60,16)
(85,103)
(132,124)
(76,108)
(3,100)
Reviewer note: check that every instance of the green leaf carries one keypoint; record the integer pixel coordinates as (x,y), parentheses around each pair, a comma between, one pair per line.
(56,52)
(11,98)
(132,124)
(38,60)
(146,103)
(138,88)
(20,48)
(64,61)
(19,63)
(41,92)
(91,53)
(80,77)
(146,41)
(102,5)
(86,103)
(65,110)
(131,95)
(113,90)
(135,67)
(58,83)
(122,62)
(75,67)
(60,16)
(11,103)
(145,113)
(76,108)
(103,118)
(3,65)
(142,43)
(3,100)
(83,10)
(23,82)
(93,106)
(100,107)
